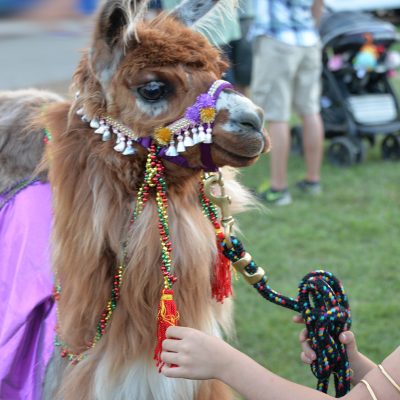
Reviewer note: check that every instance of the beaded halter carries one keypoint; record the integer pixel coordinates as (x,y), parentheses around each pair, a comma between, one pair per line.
(195,127)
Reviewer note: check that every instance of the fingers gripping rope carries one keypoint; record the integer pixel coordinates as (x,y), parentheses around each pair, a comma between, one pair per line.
(324,306)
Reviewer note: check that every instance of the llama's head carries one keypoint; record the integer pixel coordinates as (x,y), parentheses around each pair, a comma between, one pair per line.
(145,75)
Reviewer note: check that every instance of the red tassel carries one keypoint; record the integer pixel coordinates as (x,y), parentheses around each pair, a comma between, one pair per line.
(221,286)
(167,316)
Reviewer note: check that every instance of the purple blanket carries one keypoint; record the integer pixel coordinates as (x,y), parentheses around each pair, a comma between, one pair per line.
(27,317)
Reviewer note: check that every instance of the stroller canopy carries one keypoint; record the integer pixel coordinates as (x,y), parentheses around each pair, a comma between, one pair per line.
(336,25)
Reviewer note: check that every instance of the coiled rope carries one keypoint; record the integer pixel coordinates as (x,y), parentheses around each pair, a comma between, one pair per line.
(323,304)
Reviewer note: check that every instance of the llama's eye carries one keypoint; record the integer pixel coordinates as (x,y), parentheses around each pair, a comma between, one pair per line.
(153,91)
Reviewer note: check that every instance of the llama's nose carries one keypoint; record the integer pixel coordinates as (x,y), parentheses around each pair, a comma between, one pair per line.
(250,120)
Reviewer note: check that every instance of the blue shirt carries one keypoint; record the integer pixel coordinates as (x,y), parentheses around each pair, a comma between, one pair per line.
(289,21)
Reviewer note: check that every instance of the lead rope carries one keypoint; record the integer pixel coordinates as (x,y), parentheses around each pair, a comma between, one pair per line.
(321,301)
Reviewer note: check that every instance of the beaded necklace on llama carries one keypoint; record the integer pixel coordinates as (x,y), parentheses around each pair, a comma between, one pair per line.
(194,128)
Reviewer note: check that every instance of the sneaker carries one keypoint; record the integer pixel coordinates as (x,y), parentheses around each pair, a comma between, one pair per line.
(311,188)
(277,197)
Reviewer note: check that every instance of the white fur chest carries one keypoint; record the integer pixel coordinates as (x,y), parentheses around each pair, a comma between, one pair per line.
(142,381)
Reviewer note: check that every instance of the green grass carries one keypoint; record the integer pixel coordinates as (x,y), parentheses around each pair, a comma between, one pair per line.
(352,230)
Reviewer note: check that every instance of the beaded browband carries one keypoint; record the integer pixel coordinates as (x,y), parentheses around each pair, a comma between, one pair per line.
(195,127)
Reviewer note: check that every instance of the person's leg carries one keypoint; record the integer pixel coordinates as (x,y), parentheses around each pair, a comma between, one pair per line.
(313,146)
(280,140)
(274,67)
(307,104)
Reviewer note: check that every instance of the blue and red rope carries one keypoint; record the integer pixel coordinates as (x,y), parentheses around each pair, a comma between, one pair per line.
(323,304)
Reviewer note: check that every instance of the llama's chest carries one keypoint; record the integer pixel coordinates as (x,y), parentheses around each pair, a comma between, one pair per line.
(142,381)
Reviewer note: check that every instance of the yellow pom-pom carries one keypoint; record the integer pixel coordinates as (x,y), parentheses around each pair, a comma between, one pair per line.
(162,135)
(207,115)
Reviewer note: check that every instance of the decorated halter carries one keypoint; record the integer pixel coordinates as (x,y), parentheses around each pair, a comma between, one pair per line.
(195,127)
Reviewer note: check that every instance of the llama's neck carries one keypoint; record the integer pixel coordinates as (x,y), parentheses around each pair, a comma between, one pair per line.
(92,214)
(194,253)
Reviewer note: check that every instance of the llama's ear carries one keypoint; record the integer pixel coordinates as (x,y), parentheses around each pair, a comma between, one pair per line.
(116,18)
(190,11)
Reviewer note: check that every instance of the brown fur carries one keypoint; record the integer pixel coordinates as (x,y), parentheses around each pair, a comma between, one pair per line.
(95,191)
(21,143)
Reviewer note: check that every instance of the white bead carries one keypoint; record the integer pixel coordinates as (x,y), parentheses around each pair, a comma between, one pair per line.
(201,136)
(80,111)
(120,147)
(181,147)
(106,135)
(187,142)
(129,149)
(208,137)
(85,118)
(94,123)
(171,151)
(195,135)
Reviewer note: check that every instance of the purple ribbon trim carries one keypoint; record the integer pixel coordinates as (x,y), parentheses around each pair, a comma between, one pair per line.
(206,159)
(205,154)
(178,160)
(145,141)
(222,87)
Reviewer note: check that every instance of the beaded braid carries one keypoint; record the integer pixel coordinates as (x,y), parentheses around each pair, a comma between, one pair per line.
(167,315)
(102,325)
(154,179)
(221,286)
(329,316)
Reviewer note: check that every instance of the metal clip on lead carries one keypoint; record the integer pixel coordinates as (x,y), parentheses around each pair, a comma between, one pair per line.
(252,279)
(223,202)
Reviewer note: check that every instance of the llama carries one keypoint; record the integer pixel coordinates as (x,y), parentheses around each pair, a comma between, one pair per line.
(138,86)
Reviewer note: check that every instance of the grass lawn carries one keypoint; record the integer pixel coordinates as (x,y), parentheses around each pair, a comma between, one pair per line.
(352,230)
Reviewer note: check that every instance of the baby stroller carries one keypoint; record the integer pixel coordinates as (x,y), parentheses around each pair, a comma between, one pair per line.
(358,101)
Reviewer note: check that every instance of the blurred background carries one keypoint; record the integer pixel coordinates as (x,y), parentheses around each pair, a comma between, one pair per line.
(352,230)
(40,42)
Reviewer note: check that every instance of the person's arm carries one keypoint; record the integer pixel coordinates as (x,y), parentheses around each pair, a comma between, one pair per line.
(316,11)
(200,356)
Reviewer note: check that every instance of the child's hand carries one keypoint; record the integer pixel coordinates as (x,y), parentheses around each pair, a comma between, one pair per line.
(360,364)
(308,354)
(194,354)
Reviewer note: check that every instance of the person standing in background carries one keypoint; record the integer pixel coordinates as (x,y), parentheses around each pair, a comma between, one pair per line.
(286,71)
(241,51)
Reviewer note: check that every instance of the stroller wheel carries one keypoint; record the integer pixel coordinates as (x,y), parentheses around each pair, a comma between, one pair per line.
(361,148)
(342,152)
(390,147)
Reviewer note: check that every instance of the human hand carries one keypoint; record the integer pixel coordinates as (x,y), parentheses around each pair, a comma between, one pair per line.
(194,354)
(359,363)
